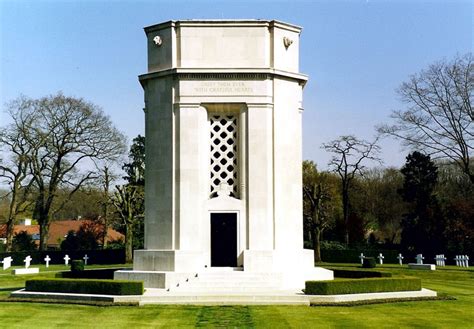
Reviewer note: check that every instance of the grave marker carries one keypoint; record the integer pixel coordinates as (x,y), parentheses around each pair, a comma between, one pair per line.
(27,269)
(7,262)
(361,257)
(27,261)
(66,260)
(419,258)
(47,260)
(457,260)
(400,259)
(440,260)
(380,257)
(85,259)
(462,260)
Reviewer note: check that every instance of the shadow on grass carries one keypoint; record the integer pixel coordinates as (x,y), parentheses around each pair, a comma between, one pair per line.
(224,316)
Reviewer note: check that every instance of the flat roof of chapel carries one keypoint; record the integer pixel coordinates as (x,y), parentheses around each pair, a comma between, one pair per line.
(223,22)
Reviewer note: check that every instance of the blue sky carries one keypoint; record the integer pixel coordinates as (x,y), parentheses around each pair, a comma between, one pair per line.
(356,53)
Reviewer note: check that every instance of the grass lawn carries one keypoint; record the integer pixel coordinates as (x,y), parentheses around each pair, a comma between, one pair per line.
(451,281)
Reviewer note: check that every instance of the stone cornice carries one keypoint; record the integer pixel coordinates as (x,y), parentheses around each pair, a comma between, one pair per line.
(224,74)
(223,22)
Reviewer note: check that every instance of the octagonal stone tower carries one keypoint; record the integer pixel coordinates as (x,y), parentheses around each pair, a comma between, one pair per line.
(223,107)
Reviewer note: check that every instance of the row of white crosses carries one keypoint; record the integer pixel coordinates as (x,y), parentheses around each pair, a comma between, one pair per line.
(7,261)
(440,260)
(67,259)
(362,257)
(462,260)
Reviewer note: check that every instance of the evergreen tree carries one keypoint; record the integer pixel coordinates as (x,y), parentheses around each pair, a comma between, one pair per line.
(22,241)
(423,224)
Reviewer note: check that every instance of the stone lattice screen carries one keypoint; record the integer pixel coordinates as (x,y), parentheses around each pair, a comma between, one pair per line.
(223,170)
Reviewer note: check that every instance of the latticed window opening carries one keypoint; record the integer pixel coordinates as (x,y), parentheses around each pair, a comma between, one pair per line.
(224,171)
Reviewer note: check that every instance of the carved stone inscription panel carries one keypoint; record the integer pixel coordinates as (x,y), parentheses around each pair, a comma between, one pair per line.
(223,88)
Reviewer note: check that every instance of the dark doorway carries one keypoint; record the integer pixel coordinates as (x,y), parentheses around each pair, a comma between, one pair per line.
(224,239)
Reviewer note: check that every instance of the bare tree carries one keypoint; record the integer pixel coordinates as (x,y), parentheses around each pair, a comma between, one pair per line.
(318,203)
(66,136)
(14,169)
(129,208)
(106,178)
(349,156)
(439,118)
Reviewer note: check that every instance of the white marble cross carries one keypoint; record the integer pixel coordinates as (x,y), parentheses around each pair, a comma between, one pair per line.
(466,258)
(7,262)
(457,259)
(27,261)
(47,260)
(400,259)
(66,260)
(440,260)
(419,258)
(85,259)
(361,257)
(380,257)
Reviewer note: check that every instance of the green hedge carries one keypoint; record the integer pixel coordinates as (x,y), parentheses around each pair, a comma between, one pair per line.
(84,286)
(369,262)
(359,286)
(352,274)
(77,265)
(106,273)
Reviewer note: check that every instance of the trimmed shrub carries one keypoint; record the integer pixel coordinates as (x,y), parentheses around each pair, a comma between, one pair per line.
(359,286)
(84,286)
(338,273)
(77,266)
(369,262)
(107,273)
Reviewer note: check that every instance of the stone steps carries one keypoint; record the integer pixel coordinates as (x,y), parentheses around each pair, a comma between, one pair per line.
(227,300)
(226,281)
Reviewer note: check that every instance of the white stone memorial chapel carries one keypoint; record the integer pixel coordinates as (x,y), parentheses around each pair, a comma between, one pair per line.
(223,116)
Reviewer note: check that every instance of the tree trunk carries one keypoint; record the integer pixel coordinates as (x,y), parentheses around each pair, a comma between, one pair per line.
(345,210)
(317,244)
(104,234)
(11,219)
(106,206)
(9,231)
(129,244)
(44,233)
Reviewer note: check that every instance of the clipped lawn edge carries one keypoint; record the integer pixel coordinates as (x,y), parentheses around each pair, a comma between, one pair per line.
(384,301)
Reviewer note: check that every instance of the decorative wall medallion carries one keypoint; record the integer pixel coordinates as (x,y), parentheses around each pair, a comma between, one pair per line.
(224,190)
(157,40)
(287,42)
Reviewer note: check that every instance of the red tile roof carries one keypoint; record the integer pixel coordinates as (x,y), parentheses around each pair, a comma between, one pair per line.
(58,230)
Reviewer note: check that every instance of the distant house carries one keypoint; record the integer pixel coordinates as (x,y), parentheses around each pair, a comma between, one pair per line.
(57,231)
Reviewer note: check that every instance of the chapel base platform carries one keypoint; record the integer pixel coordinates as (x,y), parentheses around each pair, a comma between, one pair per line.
(161,296)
